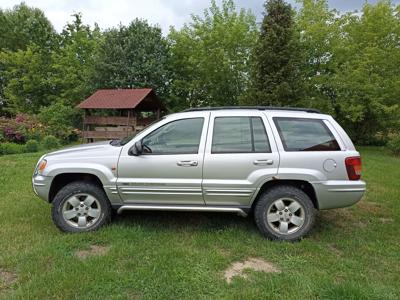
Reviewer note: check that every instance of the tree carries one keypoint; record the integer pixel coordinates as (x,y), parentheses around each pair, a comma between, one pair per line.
(24,25)
(132,57)
(367,80)
(36,78)
(276,76)
(20,28)
(28,79)
(73,63)
(352,66)
(210,57)
(320,38)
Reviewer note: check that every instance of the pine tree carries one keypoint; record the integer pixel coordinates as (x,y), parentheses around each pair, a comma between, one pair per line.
(276,76)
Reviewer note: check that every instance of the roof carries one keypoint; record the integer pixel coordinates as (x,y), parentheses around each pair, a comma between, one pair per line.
(118,99)
(310,110)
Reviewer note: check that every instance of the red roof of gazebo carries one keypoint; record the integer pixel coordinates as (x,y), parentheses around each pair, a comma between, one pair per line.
(118,99)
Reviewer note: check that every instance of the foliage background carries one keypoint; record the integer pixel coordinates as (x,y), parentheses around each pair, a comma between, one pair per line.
(345,64)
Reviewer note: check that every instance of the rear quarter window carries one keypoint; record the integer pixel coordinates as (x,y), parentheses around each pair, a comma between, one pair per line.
(301,134)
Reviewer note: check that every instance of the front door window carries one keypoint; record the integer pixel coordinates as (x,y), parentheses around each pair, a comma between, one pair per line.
(177,137)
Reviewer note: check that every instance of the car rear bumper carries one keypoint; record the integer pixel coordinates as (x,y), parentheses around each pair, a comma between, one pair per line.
(338,193)
(41,186)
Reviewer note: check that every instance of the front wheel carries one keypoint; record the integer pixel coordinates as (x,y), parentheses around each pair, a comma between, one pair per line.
(80,207)
(284,213)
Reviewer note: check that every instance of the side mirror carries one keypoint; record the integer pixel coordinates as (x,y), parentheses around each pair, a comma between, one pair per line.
(137,149)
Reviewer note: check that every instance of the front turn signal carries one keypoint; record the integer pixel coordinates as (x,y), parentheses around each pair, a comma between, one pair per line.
(42,166)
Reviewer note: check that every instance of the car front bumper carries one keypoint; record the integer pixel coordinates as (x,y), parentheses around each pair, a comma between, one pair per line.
(41,186)
(338,193)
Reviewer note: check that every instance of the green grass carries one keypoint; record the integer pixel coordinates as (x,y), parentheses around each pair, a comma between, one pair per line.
(353,253)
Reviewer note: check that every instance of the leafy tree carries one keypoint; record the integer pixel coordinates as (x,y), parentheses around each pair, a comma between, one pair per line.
(367,79)
(24,25)
(20,27)
(133,57)
(320,36)
(73,63)
(352,66)
(36,78)
(277,59)
(60,120)
(210,57)
(28,79)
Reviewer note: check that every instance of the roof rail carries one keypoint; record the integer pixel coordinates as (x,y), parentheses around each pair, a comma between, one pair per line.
(309,110)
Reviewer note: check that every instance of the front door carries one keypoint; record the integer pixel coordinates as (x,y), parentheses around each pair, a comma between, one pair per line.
(170,169)
(240,155)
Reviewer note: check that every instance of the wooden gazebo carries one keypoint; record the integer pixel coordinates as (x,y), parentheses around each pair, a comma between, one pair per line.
(131,110)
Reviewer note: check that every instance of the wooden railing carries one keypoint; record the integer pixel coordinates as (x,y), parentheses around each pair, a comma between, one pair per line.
(97,120)
(145,121)
(106,134)
(125,127)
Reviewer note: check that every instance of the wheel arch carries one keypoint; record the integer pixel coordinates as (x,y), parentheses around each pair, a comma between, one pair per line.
(303,185)
(63,179)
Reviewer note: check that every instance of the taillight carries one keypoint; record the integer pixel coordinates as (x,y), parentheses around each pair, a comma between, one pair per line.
(353,167)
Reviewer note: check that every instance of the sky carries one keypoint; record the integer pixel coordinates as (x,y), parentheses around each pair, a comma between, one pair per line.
(165,13)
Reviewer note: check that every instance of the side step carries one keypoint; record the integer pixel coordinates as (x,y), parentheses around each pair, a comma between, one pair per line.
(237,210)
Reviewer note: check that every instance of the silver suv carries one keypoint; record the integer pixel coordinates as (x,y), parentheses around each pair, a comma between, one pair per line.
(280,164)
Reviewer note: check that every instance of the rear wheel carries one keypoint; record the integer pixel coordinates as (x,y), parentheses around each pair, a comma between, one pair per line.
(80,207)
(284,213)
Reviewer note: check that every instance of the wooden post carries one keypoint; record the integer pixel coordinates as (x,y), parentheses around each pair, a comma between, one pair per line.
(127,122)
(135,119)
(83,125)
(158,113)
(88,128)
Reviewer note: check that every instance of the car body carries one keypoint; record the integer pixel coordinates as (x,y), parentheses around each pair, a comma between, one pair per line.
(214,159)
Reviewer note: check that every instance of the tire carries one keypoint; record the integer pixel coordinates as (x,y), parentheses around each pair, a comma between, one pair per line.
(284,205)
(80,207)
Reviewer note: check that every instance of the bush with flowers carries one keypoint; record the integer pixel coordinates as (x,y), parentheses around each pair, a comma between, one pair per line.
(56,120)
(21,129)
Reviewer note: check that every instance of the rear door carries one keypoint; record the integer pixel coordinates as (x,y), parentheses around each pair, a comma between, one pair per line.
(240,155)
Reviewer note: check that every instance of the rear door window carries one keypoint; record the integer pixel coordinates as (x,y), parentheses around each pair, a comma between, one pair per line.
(239,135)
(301,134)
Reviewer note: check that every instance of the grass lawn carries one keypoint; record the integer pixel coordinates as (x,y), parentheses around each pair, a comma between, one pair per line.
(353,253)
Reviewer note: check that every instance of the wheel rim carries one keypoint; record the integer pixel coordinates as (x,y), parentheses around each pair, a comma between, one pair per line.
(285,216)
(81,210)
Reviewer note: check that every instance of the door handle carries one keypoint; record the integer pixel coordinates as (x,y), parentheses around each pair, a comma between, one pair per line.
(187,163)
(263,162)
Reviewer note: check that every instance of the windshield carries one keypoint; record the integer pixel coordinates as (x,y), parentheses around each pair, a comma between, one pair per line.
(127,139)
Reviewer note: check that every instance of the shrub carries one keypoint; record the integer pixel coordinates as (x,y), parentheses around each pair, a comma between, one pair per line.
(60,119)
(32,146)
(21,128)
(11,148)
(50,142)
(394,145)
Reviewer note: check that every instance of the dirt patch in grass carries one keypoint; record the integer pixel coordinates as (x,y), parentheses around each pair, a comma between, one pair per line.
(341,218)
(334,249)
(94,250)
(255,264)
(386,220)
(7,278)
(369,206)
(224,252)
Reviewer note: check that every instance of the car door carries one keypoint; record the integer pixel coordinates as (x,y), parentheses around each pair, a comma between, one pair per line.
(240,156)
(169,171)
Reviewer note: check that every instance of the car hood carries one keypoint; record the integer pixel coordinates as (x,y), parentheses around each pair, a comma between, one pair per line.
(103,148)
